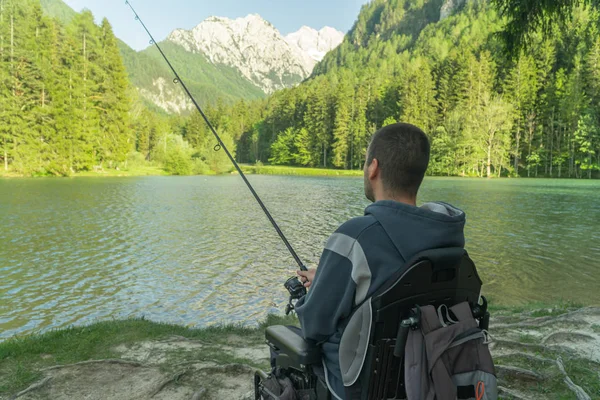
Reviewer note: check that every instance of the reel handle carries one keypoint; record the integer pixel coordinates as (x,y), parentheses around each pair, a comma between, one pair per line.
(296,290)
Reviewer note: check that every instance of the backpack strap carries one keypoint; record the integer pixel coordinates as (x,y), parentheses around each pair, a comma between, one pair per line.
(429,320)
(462,311)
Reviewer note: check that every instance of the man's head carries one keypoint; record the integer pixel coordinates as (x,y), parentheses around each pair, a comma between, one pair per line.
(396,162)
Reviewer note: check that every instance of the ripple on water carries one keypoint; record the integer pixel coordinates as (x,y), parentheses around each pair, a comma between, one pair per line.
(198,250)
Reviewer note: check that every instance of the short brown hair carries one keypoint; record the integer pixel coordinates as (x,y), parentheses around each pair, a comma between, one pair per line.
(402,151)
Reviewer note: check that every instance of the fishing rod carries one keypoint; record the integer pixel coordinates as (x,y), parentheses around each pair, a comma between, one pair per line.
(293,285)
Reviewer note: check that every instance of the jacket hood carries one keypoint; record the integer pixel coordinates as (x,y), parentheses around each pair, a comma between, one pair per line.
(415,229)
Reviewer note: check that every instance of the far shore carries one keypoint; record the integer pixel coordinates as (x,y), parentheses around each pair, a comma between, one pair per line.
(158,171)
(150,170)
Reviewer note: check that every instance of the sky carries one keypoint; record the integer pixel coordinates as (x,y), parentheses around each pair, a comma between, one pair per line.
(163,16)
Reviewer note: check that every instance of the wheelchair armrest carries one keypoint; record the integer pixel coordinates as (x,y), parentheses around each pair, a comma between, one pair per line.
(293,345)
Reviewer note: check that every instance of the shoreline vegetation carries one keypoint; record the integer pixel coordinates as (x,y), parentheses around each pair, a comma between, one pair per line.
(257,169)
(540,351)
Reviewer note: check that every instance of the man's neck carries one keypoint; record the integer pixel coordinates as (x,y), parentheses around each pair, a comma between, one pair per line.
(410,200)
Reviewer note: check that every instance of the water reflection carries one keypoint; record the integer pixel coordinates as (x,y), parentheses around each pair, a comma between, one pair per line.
(198,250)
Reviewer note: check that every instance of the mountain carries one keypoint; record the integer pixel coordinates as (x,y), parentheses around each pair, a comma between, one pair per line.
(209,83)
(315,43)
(58,9)
(258,50)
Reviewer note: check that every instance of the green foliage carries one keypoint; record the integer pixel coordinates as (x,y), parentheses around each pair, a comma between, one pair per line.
(65,100)
(526,17)
(178,162)
(67,105)
(487,114)
(58,9)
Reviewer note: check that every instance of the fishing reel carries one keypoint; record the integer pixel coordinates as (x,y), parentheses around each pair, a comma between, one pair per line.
(297,291)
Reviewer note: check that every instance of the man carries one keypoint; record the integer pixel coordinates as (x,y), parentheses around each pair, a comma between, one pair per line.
(366,251)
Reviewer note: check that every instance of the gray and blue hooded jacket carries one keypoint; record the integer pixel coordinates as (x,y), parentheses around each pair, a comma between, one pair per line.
(358,259)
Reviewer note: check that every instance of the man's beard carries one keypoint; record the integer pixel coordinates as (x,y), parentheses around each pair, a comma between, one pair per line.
(369,190)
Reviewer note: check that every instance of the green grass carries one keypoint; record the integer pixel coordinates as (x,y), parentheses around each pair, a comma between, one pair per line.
(582,372)
(535,309)
(142,170)
(526,338)
(21,358)
(297,171)
(147,170)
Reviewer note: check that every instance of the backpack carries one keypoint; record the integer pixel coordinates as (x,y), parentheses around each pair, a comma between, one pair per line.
(448,357)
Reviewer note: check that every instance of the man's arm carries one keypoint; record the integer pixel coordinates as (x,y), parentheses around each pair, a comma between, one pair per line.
(330,298)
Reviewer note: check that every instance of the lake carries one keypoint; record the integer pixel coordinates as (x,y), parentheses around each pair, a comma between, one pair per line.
(198,250)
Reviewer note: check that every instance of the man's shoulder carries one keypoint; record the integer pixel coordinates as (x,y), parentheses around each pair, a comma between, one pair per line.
(356,226)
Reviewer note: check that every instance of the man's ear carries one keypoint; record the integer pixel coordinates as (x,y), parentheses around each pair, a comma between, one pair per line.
(373,169)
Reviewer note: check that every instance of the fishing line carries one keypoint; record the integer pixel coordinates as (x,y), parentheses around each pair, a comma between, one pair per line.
(220,145)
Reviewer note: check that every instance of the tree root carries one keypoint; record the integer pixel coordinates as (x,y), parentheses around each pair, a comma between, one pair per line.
(545,321)
(216,367)
(107,361)
(571,335)
(512,393)
(512,343)
(518,373)
(165,382)
(530,357)
(578,390)
(33,387)
(177,338)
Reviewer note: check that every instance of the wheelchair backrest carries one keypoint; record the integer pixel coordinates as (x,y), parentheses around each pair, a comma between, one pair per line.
(434,277)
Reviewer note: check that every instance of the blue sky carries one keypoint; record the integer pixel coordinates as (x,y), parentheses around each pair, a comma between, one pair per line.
(163,16)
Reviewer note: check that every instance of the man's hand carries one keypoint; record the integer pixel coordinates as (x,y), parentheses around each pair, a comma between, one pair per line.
(306,277)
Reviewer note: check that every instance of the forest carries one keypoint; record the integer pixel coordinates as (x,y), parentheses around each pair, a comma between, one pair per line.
(487,112)
(66,104)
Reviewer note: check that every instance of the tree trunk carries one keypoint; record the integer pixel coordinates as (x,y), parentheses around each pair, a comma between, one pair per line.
(551,142)
(517,149)
(571,147)
(559,153)
(489,161)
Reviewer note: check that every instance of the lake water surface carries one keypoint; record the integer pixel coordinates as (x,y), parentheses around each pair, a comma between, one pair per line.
(198,250)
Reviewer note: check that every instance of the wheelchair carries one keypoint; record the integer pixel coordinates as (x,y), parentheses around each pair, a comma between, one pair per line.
(434,277)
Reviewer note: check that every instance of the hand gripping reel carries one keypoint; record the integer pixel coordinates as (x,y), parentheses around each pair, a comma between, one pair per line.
(297,291)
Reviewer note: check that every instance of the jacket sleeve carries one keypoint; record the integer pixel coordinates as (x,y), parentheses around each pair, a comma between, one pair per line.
(329,299)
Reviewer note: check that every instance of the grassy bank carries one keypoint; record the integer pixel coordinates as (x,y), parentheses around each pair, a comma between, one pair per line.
(150,170)
(528,343)
(142,170)
(296,171)
(23,359)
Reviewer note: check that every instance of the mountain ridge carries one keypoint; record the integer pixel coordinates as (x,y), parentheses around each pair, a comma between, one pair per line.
(257,49)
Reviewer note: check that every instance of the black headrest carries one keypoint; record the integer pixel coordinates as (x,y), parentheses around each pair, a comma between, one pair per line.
(450,257)
(441,259)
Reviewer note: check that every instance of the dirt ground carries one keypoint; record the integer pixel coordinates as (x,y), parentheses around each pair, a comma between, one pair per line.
(528,351)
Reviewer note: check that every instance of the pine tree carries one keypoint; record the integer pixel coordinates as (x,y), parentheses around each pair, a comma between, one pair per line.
(344,104)
(522,87)
(114,103)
